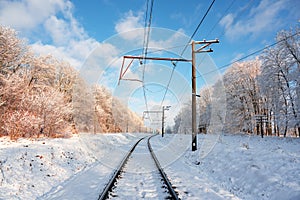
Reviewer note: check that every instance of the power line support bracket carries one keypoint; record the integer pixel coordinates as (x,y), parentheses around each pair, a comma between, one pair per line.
(123,72)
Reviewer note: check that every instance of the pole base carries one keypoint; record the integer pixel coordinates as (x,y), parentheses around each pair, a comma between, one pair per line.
(194,146)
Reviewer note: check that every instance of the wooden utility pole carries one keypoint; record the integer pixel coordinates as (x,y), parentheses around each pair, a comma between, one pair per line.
(95,119)
(260,119)
(194,84)
(163,122)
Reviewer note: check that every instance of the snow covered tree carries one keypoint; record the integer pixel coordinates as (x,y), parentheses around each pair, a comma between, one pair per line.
(280,82)
(204,104)
(243,98)
(267,88)
(31,102)
(112,115)
(29,113)
(14,53)
(177,121)
(83,106)
(184,119)
(41,95)
(291,45)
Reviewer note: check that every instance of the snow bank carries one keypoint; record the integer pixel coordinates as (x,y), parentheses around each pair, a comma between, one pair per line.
(30,168)
(238,167)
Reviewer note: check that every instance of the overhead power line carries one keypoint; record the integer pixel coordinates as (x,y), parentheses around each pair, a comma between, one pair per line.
(145,46)
(245,8)
(188,43)
(225,12)
(251,54)
(145,25)
(197,28)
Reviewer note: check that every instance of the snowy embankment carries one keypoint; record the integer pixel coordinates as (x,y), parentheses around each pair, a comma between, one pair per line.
(32,168)
(237,167)
(223,167)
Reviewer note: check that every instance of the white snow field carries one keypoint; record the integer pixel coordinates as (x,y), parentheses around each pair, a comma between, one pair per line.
(223,167)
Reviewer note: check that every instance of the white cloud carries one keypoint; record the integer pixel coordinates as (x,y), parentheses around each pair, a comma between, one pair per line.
(58,29)
(75,53)
(53,18)
(227,21)
(170,39)
(57,52)
(28,14)
(129,22)
(83,48)
(260,19)
(130,26)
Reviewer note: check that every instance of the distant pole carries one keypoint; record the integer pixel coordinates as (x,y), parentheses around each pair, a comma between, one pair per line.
(162,122)
(261,127)
(260,119)
(95,120)
(194,131)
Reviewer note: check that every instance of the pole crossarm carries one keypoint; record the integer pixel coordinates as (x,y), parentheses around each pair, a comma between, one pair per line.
(206,44)
(207,41)
(157,58)
(146,112)
(151,111)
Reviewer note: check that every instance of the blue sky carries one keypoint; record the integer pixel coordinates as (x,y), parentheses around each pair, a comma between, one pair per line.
(241,26)
(72,30)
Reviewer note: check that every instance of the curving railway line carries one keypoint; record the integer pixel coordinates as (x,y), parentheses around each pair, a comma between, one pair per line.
(139,175)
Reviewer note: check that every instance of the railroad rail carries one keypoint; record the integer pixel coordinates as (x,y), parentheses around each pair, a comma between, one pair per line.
(161,171)
(111,185)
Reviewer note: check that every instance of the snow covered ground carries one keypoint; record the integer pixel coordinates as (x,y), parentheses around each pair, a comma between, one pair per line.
(237,167)
(80,165)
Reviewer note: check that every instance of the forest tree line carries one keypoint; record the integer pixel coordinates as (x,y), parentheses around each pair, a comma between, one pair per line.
(262,95)
(41,95)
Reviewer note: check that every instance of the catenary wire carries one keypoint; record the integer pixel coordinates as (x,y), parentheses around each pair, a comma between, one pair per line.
(251,54)
(211,30)
(145,47)
(237,16)
(194,33)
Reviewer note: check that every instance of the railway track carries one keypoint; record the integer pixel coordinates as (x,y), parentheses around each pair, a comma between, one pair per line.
(139,175)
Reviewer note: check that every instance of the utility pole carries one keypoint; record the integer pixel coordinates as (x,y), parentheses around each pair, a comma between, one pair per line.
(95,119)
(194,84)
(163,120)
(260,119)
(261,127)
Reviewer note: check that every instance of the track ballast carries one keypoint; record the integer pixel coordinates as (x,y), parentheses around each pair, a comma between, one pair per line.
(139,175)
